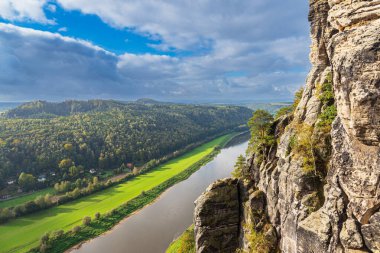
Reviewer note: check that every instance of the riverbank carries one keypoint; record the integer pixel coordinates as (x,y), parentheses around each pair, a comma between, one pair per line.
(24,233)
(106,222)
(154,227)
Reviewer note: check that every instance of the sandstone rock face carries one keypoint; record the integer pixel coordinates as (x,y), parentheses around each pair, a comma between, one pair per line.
(338,208)
(216,217)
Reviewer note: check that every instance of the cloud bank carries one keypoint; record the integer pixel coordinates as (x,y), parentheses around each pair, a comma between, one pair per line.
(234,50)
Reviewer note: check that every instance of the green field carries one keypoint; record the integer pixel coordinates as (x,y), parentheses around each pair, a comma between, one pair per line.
(26,198)
(23,233)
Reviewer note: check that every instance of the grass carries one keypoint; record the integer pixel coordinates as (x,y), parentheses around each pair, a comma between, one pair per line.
(26,198)
(184,243)
(22,234)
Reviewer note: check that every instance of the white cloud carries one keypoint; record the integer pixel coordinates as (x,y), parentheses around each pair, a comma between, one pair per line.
(62,29)
(23,10)
(52,8)
(264,39)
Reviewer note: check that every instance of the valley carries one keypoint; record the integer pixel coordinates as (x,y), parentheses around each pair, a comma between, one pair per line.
(24,233)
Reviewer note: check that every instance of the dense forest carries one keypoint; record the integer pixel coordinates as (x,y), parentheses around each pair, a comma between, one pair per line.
(63,140)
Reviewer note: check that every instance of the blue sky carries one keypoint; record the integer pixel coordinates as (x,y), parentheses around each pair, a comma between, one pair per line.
(198,50)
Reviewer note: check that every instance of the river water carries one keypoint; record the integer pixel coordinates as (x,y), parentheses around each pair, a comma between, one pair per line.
(152,229)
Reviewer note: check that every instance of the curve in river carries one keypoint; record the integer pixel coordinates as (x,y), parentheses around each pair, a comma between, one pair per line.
(152,229)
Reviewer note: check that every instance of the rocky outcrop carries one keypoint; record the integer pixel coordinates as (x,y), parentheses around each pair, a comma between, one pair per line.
(216,218)
(335,205)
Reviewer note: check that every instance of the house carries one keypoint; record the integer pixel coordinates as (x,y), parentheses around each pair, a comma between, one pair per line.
(41,178)
(130,165)
(10,182)
(92,171)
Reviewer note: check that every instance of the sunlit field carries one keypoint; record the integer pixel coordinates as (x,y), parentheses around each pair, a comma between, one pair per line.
(22,234)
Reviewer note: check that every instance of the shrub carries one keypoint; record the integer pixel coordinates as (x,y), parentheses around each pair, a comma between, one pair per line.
(283,111)
(97,216)
(44,247)
(257,241)
(57,234)
(302,146)
(86,221)
(45,238)
(76,229)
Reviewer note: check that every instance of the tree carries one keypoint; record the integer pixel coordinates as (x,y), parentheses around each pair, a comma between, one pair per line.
(261,136)
(239,169)
(260,122)
(26,181)
(68,147)
(74,171)
(65,163)
(63,186)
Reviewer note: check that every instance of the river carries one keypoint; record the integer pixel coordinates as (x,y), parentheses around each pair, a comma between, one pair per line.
(153,228)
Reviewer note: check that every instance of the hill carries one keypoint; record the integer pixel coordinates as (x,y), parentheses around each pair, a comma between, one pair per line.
(69,138)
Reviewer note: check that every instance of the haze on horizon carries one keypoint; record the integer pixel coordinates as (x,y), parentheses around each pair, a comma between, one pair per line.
(204,51)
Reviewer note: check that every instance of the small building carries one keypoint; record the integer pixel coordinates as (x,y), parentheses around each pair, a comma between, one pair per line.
(130,165)
(10,182)
(92,171)
(41,178)
(52,174)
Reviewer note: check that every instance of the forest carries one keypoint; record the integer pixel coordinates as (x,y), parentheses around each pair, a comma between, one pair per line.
(61,141)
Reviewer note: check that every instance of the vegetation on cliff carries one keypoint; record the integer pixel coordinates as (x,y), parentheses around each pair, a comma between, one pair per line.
(185,243)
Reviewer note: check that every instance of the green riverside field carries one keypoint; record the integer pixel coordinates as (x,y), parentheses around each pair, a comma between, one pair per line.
(24,233)
(23,199)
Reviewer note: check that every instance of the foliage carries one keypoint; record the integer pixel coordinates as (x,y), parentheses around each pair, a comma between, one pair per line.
(103,135)
(257,241)
(185,243)
(326,117)
(86,221)
(97,227)
(63,186)
(297,97)
(239,169)
(25,198)
(283,111)
(261,136)
(153,183)
(302,146)
(26,181)
(329,112)
(290,108)
(84,187)
(325,90)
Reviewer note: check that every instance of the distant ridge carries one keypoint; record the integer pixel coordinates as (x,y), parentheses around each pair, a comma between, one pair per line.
(44,109)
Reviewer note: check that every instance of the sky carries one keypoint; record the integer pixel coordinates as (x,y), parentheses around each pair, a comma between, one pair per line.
(183,50)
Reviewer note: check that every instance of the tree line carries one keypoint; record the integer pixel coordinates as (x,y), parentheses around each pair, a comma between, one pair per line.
(106,138)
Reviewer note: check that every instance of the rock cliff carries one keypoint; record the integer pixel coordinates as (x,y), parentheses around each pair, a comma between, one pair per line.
(328,199)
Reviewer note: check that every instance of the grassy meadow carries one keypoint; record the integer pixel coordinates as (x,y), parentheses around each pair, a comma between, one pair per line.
(24,233)
(26,198)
